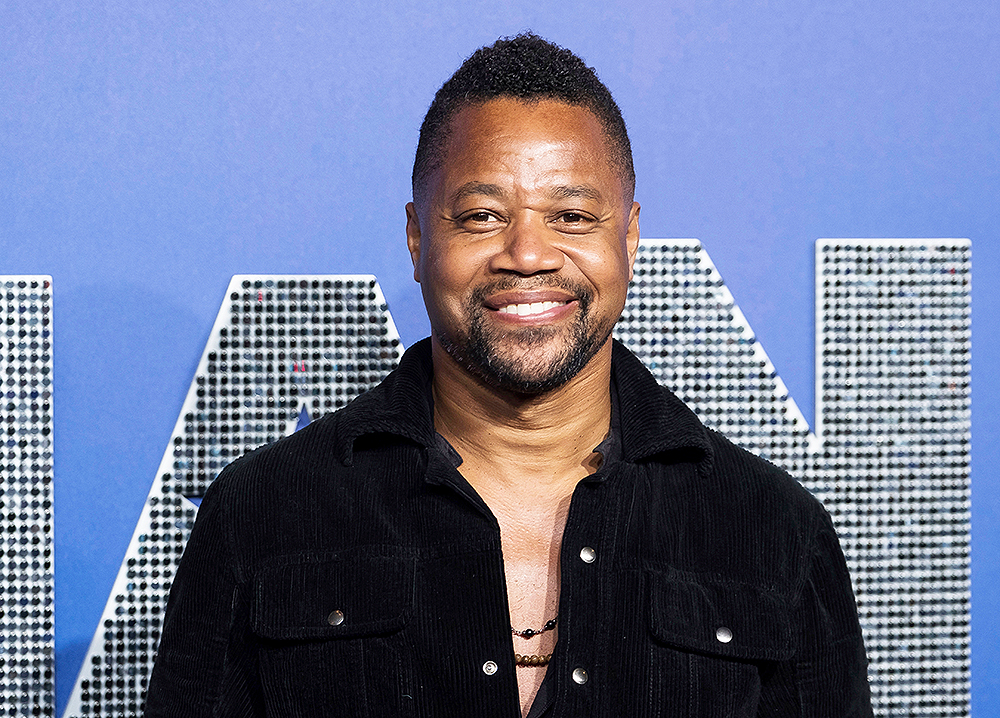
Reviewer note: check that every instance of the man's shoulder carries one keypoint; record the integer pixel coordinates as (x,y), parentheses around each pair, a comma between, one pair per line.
(658,425)
(732,516)
(741,472)
(313,446)
(398,406)
(729,490)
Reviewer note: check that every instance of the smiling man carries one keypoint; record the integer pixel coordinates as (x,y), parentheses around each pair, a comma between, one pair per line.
(518,520)
(523,242)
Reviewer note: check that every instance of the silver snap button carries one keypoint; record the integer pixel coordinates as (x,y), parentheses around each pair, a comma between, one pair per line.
(580,676)
(335,618)
(588,555)
(489,668)
(723,635)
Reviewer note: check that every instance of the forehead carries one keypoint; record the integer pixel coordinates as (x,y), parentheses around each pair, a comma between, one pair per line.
(512,135)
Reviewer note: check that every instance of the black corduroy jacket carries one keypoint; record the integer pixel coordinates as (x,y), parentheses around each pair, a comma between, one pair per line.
(350,570)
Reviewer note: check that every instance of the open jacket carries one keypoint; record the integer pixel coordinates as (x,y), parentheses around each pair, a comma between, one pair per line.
(350,570)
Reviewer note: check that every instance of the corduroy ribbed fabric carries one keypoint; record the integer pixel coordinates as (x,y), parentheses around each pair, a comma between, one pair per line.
(350,570)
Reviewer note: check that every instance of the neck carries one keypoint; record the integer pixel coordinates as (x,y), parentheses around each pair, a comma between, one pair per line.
(524,441)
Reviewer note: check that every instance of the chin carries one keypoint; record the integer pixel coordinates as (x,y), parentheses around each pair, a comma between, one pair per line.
(536,366)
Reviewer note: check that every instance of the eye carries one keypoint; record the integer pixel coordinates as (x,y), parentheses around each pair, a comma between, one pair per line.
(573,222)
(479,219)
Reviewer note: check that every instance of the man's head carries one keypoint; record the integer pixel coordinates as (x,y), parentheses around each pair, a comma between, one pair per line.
(523,229)
(529,69)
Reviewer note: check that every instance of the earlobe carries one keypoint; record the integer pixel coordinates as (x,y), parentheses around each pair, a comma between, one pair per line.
(632,237)
(413,238)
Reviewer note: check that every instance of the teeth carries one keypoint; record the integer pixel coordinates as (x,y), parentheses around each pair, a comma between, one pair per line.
(524,310)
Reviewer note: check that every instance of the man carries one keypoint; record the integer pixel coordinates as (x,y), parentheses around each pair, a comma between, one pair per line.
(518,520)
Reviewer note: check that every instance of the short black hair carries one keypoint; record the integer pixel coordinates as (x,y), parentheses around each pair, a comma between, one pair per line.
(529,68)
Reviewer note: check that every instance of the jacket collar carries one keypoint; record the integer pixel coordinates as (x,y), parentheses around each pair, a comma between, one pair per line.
(400,405)
(652,420)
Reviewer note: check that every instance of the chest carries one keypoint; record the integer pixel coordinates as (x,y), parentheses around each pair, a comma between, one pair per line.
(531,543)
(429,593)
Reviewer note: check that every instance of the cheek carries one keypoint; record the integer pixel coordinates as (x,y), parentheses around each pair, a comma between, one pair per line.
(444,280)
(444,285)
(607,271)
(455,269)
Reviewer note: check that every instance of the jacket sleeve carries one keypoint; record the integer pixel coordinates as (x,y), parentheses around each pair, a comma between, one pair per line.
(203,664)
(828,675)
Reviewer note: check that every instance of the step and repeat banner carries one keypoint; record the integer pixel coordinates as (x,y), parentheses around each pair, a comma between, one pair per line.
(27,636)
(889,457)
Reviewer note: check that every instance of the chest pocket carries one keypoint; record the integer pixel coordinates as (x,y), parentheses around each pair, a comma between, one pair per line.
(331,632)
(344,595)
(713,643)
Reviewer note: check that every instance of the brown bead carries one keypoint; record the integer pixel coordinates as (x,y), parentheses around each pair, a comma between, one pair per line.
(532,660)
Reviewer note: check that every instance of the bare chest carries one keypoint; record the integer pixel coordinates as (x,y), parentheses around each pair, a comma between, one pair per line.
(531,566)
(532,517)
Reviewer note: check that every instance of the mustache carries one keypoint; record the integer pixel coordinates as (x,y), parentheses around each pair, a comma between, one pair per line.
(579,290)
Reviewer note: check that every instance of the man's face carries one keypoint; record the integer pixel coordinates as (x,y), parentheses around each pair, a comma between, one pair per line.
(524,243)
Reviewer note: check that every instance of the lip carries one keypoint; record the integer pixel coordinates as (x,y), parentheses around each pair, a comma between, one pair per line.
(503,299)
(531,307)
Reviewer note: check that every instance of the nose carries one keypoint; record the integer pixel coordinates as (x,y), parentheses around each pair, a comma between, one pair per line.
(526,248)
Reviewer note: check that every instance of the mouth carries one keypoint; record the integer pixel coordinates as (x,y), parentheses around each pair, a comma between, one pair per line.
(530,309)
(532,305)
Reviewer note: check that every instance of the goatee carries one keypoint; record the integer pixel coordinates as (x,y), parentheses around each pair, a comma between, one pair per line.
(504,357)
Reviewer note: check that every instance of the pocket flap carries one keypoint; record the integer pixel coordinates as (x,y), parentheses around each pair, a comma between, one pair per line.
(737,621)
(346,594)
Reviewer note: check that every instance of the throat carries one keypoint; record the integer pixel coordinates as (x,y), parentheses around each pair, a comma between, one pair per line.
(522,439)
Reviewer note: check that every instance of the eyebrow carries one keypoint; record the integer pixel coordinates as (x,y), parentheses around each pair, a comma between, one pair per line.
(576,191)
(470,189)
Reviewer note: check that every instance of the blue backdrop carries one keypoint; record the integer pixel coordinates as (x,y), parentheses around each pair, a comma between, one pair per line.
(148,151)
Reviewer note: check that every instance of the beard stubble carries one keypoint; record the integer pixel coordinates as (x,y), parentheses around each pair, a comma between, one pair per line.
(503,357)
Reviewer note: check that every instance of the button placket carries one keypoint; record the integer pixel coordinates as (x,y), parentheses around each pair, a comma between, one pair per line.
(580,676)
(590,529)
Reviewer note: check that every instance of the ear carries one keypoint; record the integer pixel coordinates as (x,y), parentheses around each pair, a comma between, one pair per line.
(413,238)
(632,237)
